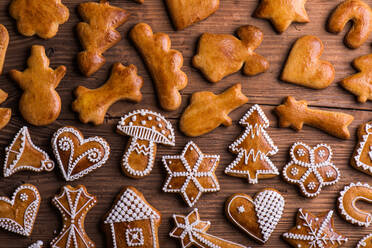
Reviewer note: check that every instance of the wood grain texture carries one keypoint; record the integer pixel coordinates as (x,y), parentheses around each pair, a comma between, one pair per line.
(264,89)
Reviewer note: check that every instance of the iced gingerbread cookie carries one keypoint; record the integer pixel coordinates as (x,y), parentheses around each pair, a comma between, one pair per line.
(73,204)
(191,173)
(77,156)
(365,242)
(362,156)
(192,231)
(5,113)
(37,244)
(257,217)
(314,231)
(22,155)
(311,168)
(253,148)
(132,221)
(4,41)
(146,129)
(18,214)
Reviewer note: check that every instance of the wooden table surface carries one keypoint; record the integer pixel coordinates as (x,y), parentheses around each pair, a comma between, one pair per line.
(265,89)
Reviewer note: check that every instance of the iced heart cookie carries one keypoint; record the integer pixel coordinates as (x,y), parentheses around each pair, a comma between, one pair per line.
(257,217)
(132,221)
(163,63)
(191,174)
(187,12)
(304,67)
(37,244)
(311,168)
(40,17)
(365,242)
(123,84)
(348,208)
(77,156)
(5,113)
(362,156)
(282,13)
(191,231)
(220,54)
(146,129)
(73,204)
(40,103)
(98,33)
(22,155)
(207,111)
(18,214)
(360,14)
(4,41)
(253,149)
(314,231)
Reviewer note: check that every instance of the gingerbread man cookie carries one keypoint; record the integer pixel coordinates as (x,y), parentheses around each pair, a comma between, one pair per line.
(4,41)
(123,84)
(5,113)
(360,14)
(220,54)
(191,174)
(253,148)
(314,231)
(77,156)
(257,217)
(362,156)
(163,63)
(98,33)
(304,67)
(207,111)
(18,214)
(40,17)
(282,13)
(22,155)
(365,242)
(311,168)
(73,204)
(132,221)
(40,103)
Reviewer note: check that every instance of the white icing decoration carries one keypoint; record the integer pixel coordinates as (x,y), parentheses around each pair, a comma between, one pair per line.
(294,171)
(321,153)
(23,197)
(361,146)
(311,185)
(370,152)
(301,152)
(330,174)
(134,237)
(362,243)
(241,209)
(37,244)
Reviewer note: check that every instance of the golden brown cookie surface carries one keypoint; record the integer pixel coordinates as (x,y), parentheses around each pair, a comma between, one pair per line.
(5,113)
(362,156)
(4,41)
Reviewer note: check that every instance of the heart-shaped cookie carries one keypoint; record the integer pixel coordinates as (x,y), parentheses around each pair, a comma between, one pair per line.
(77,156)
(257,217)
(19,213)
(304,67)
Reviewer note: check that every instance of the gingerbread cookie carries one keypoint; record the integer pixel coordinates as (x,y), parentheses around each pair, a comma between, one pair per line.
(40,103)
(295,114)
(73,204)
(360,84)
(77,156)
(98,33)
(360,14)
(365,242)
(347,203)
(282,13)
(314,231)
(311,168)
(139,1)
(22,155)
(37,244)
(207,111)
(362,156)
(253,148)
(18,214)
(146,129)
(191,173)
(4,41)
(132,221)
(5,113)
(192,231)
(123,84)
(187,12)
(257,217)
(163,63)
(220,54)
(304,66)
(40,17)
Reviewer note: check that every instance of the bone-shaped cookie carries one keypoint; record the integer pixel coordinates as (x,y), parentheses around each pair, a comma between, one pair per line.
(207,111)
(220,54)
(296,113)
(5,113)
(4,41)
(123,84)
(163,63)
(360,14)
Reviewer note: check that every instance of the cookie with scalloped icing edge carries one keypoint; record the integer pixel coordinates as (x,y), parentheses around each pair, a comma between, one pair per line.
(365,242)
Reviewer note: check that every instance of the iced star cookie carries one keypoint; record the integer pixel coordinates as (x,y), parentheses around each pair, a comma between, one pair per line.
(362,156)
(191,173)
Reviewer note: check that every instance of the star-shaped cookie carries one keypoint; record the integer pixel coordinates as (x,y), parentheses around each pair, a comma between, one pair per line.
(191,174)
(282,13)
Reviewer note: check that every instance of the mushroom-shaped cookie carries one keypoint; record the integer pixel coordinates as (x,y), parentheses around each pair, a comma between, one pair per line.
(146,129)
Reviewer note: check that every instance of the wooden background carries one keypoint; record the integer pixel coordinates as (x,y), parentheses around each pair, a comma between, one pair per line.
(264,89)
